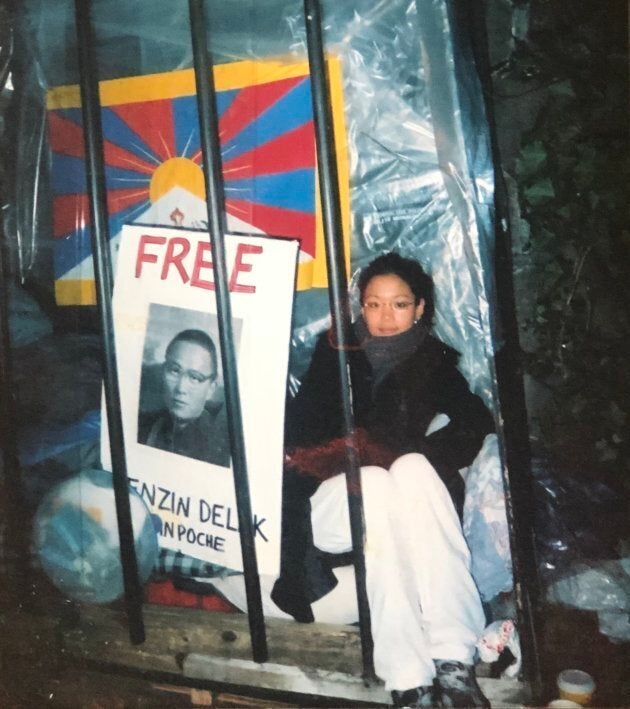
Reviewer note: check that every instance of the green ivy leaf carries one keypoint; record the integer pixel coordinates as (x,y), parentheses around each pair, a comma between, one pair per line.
(539,192)
(562,88)
(532,157)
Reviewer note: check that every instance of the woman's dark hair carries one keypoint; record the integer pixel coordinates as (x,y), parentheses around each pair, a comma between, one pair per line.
(408,270)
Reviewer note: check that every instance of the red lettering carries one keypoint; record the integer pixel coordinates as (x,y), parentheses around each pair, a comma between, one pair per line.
(241,267)
(177,256)
(173,258)
(203,247)
(144,257)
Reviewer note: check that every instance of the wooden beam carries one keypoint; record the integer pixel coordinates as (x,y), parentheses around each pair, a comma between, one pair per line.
(206,649)
(291,679)
(174,633)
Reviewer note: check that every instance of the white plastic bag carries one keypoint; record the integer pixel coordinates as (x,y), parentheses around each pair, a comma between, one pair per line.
(485,522)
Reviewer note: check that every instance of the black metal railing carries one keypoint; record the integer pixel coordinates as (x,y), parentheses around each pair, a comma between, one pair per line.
(339,306)
(215,201)
(339,303)
(335,258)
(103,276)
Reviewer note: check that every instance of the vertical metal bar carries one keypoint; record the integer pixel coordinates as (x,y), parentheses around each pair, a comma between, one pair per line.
(93,137)
(514,436)
(15,546)
(339,304)
(213,178)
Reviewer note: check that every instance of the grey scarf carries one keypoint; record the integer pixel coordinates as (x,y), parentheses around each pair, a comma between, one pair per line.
(386,353)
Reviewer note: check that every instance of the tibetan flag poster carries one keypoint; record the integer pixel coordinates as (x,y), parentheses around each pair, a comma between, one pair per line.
(171,385)
(153,162)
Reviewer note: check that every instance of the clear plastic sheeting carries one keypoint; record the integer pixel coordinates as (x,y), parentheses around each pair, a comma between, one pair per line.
(6,52)
(603,586)
(580,521)
(410,182)
(421,179)
(413,188)
(27,322)
(578,518)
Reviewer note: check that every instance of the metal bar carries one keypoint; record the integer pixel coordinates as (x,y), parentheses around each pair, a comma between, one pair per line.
(15,548)
(93,137)
(213,179)
(514,438)
(339,305)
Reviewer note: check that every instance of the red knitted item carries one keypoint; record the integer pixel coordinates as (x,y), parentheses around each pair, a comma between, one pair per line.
(163,593)
(331,458)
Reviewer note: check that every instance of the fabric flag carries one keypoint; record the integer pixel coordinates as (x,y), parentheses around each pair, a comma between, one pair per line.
(153,164)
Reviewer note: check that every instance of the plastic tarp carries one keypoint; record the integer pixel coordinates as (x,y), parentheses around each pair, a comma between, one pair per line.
(420,175)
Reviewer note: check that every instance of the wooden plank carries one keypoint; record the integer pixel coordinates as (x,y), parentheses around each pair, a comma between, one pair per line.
(226,699)
(172,634)
(198,646)
(504,693)
(283,678)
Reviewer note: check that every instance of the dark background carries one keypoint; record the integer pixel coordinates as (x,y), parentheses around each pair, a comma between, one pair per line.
(558,93)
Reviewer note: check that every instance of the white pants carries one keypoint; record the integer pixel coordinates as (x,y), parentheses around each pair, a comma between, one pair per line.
(423,602)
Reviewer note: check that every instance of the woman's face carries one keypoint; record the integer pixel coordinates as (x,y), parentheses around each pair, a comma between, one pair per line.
(389,306)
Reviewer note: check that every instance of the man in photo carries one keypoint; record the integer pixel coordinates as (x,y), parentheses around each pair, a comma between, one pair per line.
(190,424)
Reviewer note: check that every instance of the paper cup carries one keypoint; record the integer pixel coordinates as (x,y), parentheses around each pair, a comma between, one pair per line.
(576,686)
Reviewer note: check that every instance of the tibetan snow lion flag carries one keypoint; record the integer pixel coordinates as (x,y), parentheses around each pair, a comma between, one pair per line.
(153,166)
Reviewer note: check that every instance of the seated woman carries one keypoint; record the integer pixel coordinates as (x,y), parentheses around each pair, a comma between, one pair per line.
(426,615)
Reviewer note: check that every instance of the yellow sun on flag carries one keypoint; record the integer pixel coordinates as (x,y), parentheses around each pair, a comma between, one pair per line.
(180,172)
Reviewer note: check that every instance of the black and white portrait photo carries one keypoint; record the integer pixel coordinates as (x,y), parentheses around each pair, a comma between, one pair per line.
(182,408)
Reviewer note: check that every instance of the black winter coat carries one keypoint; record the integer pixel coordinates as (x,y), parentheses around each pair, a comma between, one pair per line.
(395,414)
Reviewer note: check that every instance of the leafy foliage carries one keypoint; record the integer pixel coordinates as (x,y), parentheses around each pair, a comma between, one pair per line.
(573,264)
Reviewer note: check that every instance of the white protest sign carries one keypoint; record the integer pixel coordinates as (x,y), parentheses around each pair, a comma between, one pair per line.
(172,404)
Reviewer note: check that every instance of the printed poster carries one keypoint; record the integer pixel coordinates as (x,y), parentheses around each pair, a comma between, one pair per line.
(153,167)
(171,385)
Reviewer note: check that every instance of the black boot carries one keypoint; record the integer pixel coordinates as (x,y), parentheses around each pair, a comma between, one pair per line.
(457,685)
(418,697)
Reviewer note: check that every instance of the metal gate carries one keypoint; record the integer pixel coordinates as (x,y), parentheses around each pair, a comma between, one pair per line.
(522,547)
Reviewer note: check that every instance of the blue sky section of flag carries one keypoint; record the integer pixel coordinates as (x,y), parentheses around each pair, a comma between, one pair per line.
(153,162)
